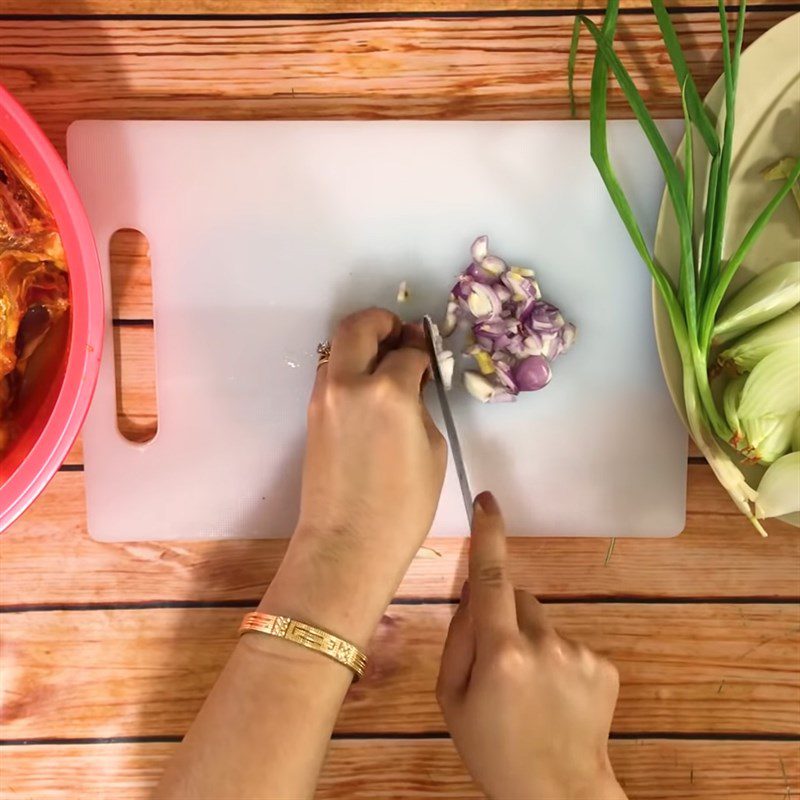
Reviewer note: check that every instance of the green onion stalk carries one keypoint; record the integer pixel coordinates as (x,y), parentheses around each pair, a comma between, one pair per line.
(704,275)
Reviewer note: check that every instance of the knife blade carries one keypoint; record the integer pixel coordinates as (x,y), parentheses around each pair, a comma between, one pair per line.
(434,350)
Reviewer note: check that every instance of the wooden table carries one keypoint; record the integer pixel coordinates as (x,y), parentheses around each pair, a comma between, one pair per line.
(108,651)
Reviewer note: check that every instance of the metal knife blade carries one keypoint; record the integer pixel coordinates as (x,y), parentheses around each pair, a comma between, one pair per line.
(434,349)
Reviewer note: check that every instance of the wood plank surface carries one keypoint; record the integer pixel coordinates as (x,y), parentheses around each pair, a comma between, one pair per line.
(511,67)
(131,284)
(684,668)
(698,670)
(48,558)
(317,7)
(378,769)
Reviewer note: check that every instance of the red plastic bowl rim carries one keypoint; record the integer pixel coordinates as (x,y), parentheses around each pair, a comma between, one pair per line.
(87,312)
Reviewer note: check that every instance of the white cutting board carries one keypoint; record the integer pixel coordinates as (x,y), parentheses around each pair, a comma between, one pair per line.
(263,234)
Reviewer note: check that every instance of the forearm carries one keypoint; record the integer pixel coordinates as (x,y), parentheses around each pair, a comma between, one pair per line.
(265,727)
(604,786)
(592,780)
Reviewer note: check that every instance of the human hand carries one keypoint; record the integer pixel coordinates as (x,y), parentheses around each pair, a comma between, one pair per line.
(372,477)
(529,711)
(373,472)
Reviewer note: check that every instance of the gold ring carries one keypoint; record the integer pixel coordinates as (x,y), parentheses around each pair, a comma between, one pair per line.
(324,352)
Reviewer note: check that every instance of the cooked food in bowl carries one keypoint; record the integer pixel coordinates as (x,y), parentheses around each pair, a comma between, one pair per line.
(34,289)
(52,323)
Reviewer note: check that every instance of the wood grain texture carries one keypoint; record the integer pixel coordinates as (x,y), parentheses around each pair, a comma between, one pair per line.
(510,67)
(380,769)
(135,374)
(685,667)
(693,668)
(48,558)
(312,7)
(75,454)
(131,285)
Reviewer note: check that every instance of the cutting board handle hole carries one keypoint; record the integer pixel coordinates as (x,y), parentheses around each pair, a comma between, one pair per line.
(134,335)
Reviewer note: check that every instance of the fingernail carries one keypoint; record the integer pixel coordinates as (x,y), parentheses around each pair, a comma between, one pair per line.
(484,502)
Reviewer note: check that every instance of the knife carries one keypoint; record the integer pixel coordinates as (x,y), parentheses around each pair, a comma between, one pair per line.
(434,341)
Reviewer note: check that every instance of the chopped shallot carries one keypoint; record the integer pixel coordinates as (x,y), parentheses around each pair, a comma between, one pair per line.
(513,336)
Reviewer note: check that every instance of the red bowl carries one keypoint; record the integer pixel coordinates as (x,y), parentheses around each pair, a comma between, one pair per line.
(54,418)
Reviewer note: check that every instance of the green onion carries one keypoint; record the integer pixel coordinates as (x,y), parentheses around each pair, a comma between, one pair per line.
(747,351)
(573,56)
(779,490)
(765,297)
(685,79)
(767,438)
(688,159)
(760,439)
(735,261)
(730,75)
(731,398)
(704,276)
(773,387)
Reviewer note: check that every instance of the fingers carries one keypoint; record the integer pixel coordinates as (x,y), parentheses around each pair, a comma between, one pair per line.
(409,363)
(406,366)
(531,615)
(359,339)
(317,390)
(438,442)
(458,654)
(413,335)
(492,603)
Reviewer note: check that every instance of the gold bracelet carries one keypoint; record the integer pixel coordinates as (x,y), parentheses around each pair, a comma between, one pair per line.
(308,636)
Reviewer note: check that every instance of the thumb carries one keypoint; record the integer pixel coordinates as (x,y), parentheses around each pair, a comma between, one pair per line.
(458,654)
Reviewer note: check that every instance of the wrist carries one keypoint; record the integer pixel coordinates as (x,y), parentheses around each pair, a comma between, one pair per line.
(602,785)
(329,587)
(608,789)
(588,783)
(286,657)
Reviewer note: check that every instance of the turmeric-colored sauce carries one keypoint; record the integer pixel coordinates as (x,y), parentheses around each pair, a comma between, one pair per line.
(34,287)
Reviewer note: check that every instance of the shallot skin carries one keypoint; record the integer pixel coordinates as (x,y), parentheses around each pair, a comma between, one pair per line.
(532,373)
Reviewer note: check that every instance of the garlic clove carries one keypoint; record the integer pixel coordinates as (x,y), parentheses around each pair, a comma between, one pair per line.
(450,320)
(447,364)
(478,386)
(480,249)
